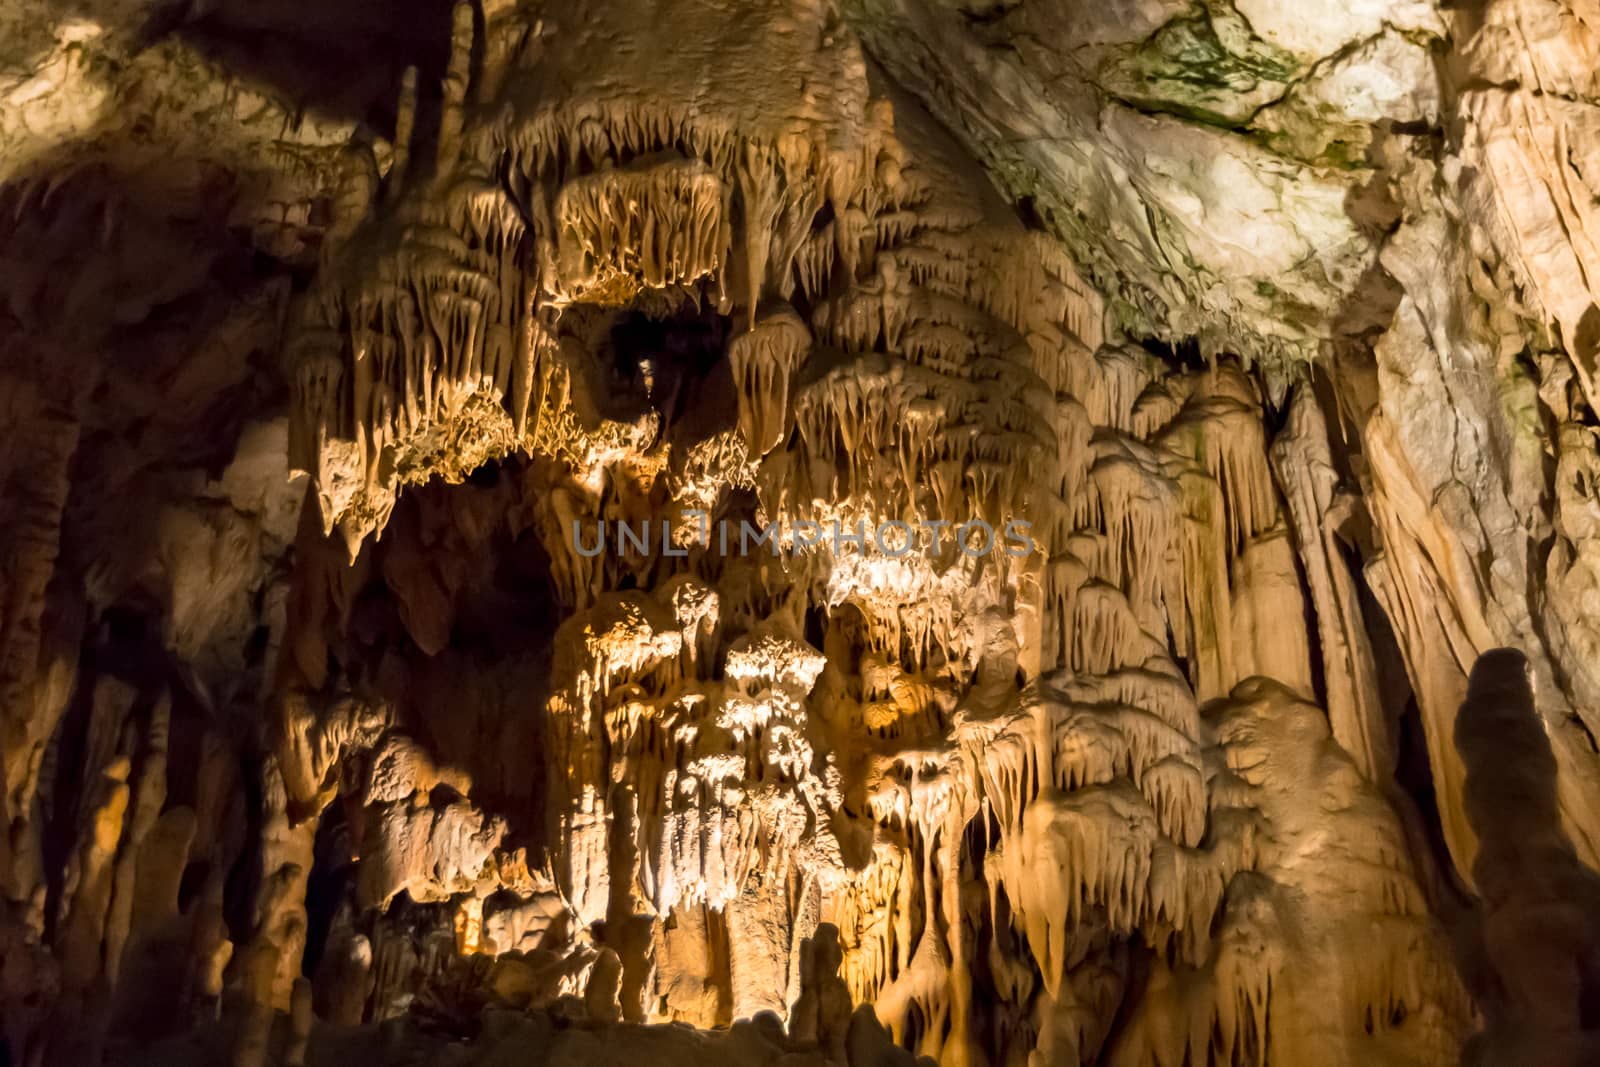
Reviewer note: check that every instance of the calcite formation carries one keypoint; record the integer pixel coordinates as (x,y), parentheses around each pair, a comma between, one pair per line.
(864,532)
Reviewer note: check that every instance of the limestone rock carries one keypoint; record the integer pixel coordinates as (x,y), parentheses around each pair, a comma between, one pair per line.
(782,532)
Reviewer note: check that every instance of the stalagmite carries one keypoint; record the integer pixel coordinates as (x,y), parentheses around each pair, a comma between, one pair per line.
(90,882)
(251,1044)
(209,955)
(300,1019)
(404,131)
(147,797)
(1537,917)
(455,89)
(605,983)
(47,435)
(280,921)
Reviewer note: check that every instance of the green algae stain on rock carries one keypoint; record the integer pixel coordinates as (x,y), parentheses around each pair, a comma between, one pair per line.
(1207,67)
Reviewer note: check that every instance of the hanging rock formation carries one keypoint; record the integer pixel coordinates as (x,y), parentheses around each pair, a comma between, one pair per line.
(863,532)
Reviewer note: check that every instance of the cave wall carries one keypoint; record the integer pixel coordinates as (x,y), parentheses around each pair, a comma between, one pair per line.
(432,628)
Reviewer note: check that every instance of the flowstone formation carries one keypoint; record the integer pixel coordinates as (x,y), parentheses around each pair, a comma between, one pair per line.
(789,531)
(984,763)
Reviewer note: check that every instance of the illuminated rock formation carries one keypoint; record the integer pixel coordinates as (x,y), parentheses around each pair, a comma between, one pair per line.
(877,531)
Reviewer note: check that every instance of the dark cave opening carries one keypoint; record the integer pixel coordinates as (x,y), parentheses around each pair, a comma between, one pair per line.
(685,344)
(329,885)
(1181,355)
(675,363)
(462,600)
(343,58)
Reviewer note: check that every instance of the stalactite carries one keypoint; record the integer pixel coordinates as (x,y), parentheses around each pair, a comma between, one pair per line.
(1220,428)
(764,362)
(664,226)
(1304,461)
(843,797)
